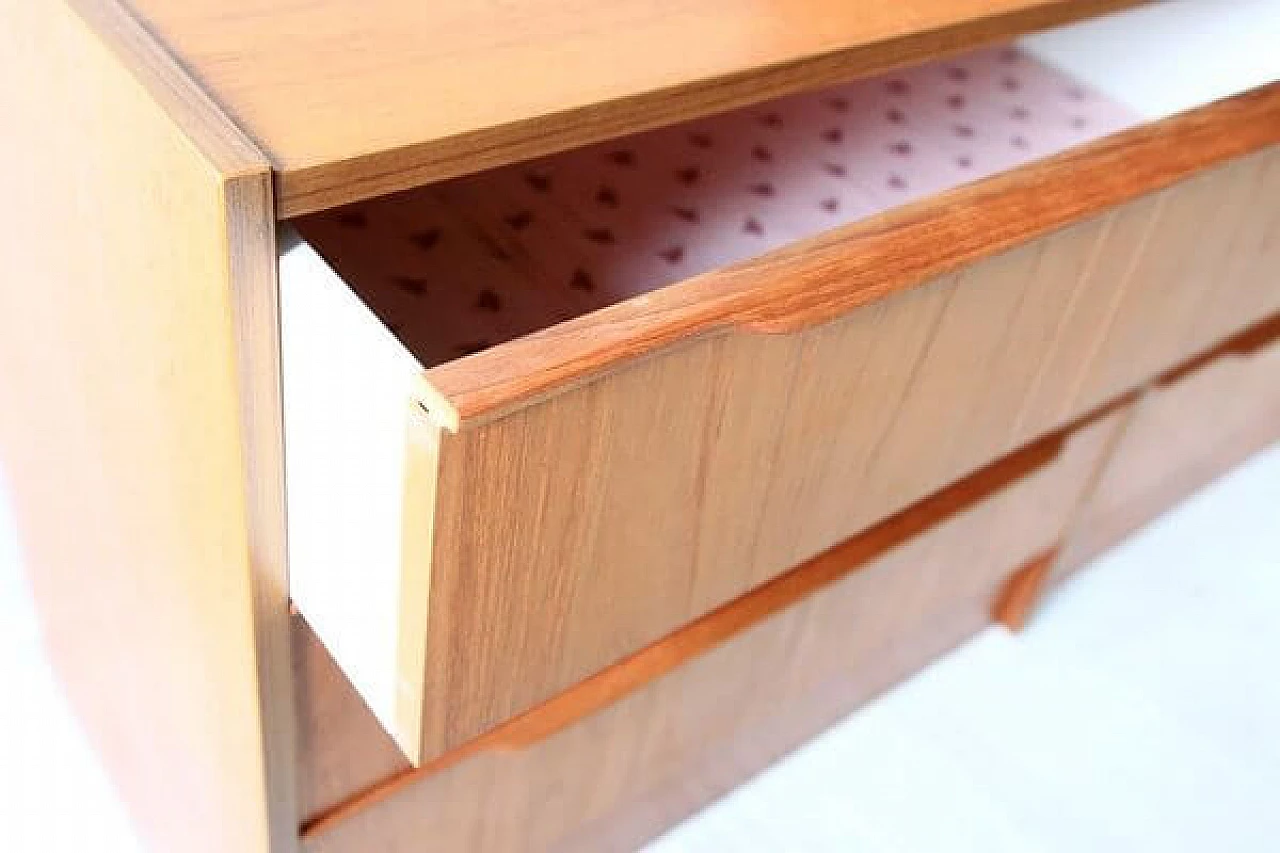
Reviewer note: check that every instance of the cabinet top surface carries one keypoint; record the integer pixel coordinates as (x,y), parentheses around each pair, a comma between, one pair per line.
(354,100)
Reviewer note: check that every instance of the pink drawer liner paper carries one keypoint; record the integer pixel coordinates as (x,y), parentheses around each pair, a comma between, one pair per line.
(463,265)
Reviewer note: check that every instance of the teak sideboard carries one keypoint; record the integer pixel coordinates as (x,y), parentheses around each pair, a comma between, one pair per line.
(459,426)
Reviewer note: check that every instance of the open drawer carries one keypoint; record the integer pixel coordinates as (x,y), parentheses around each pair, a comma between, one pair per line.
(522,443)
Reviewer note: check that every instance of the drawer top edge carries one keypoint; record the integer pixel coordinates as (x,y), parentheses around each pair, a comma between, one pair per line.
(820,279)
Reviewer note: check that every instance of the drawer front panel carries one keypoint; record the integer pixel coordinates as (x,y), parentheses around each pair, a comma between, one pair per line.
(581,527)
(1203,268)
(622,774)
(1180,437)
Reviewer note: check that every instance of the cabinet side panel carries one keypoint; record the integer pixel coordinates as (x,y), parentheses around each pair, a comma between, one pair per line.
(121,431)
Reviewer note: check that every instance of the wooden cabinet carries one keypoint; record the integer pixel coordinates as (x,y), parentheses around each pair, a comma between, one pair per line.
(139,443)
(605,385)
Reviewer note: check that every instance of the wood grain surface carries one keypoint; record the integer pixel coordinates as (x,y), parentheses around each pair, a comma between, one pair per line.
(763,450)
(1021,591)
(635,671)
(817,280)
(352,104)
(256,326)
(136,219)
(626,748)
(1191,427)
(348,762)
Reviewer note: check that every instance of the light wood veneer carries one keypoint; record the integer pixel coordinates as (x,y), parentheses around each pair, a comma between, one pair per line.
(818,640)
(764,440)
(1187,430)
(139,430)
(817,280)
(586,539)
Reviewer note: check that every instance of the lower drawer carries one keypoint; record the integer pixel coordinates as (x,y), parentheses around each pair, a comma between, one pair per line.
(562,536)
(1182,434)
(625,754)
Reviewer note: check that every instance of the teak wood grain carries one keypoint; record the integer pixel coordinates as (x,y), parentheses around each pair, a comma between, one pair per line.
(338,735)
(819,279)
(627,472)
(1186,430)
(787,658)
(137,405)
(352,104)
(1018,597)
(763,450)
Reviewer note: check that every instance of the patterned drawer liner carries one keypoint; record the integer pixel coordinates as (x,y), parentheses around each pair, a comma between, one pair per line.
(460,266)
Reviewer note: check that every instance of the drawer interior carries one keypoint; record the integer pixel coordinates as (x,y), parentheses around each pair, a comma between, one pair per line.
(462,266)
